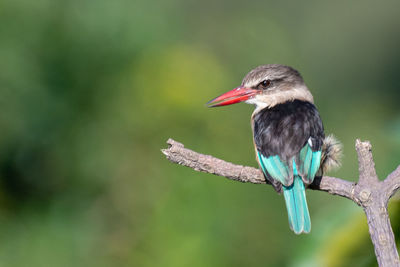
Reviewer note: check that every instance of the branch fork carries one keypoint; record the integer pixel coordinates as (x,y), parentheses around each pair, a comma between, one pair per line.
(369,193)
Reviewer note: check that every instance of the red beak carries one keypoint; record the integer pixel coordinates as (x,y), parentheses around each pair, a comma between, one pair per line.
(234,96)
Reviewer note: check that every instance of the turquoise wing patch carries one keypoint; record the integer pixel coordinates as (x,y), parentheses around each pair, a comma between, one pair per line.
(309,163)
(276,168)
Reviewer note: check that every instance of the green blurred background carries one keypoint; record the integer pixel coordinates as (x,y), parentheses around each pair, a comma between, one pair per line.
(91,90)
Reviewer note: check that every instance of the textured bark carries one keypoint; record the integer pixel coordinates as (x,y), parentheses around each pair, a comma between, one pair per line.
(369,193)
(381,234)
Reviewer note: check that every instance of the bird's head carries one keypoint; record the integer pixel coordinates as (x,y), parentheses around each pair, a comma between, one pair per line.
(267,86)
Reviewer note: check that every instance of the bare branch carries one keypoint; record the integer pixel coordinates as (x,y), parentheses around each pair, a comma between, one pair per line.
(369,193)
(334,186)
(392,183)
(177,153)
(366,163)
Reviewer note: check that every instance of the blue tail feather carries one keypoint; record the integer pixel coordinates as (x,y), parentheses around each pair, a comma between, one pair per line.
(295,197)
(296,205)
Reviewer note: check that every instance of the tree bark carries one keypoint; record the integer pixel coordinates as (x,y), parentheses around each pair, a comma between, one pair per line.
(369,193)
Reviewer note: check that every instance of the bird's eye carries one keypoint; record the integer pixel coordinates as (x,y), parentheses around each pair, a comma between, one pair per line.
(264,84)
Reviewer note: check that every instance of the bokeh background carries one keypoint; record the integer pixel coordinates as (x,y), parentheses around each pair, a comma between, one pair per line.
(91,90)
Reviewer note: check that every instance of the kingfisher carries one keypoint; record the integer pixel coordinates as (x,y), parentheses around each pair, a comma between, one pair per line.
(288,135)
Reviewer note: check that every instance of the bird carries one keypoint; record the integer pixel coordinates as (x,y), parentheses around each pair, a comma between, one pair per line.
(288,135)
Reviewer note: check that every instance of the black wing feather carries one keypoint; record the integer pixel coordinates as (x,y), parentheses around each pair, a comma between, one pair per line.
(284,129)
